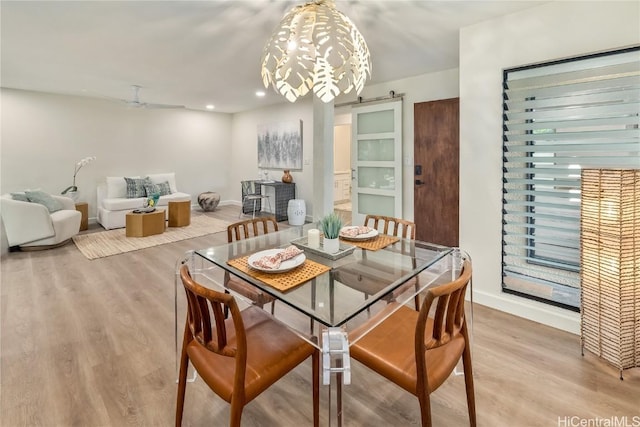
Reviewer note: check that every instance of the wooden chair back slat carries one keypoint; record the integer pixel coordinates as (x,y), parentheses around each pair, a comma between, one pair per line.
(203,302)
(448,319)
(251,228)
(392,226)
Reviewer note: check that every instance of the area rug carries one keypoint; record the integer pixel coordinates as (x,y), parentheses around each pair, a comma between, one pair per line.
(113,242)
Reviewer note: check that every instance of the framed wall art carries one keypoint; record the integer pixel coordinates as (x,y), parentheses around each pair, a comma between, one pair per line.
(280,145)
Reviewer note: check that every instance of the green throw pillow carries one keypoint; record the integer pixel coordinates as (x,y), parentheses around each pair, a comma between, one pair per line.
(21,197)
(135,187)
(161,188)
(44,199)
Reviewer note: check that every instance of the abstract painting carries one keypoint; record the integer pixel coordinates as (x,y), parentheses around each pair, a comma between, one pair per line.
(280,145)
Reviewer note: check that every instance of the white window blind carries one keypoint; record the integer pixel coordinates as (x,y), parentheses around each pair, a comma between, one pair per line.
(558,118)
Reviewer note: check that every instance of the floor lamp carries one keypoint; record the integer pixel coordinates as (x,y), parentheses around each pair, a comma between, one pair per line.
(610,265)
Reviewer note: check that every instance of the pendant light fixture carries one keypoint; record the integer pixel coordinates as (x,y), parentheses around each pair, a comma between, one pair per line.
(316,48)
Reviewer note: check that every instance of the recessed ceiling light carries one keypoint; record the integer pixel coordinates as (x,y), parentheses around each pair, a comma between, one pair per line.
(260,93)
(210,107)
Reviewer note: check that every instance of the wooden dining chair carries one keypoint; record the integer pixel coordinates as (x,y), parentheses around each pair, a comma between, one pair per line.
(401,228)
(244,230)
(418,352)
(241,356)
(392,226)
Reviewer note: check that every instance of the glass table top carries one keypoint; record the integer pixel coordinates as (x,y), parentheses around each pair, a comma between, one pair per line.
(352,283)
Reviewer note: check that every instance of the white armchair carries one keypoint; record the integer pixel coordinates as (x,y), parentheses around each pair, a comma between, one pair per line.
(30,225)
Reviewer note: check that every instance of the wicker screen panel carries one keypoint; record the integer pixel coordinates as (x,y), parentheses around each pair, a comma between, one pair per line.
(610,265)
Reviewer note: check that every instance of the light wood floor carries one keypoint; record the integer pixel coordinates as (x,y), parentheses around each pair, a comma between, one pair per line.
(90,343)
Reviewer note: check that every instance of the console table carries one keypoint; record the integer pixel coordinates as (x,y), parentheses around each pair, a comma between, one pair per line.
(284,192)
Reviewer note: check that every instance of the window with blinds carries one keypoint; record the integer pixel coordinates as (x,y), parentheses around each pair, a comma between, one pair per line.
(558,118)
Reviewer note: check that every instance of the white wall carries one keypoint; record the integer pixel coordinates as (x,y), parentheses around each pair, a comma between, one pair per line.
(342,148)
(426,87)
(44,135)
(244,142)
(552,31)
(422,88)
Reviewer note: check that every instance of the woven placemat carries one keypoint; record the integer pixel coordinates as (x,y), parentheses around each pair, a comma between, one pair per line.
(379,242)
(282,281)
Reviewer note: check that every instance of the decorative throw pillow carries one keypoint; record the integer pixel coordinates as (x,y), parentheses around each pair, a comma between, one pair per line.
(135,187)
(44,199)
(157,178)
(21,197)
(162,188)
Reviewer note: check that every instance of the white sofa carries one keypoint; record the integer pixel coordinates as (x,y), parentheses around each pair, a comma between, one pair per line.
(113,203)
(31,225)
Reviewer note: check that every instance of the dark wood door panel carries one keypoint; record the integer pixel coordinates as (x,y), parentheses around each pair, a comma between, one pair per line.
(436,189)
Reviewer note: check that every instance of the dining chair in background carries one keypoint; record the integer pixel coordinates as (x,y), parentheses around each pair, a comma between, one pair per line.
(237,357)
(364,277)
(391,226)
(418,352)
(243,230)
(403,229)
(252,195)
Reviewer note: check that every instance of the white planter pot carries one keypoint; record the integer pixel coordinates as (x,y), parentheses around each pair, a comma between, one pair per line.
(331,246)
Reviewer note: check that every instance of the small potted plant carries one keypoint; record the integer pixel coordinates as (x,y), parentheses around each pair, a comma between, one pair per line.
(330,226)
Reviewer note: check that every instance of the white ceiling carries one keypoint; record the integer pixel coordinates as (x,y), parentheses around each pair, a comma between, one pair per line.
(198,52)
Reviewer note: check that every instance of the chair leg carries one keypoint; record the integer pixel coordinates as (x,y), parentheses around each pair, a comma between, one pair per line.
(273,307)
(236,413)
(425,409)
(182,384)
(315,358)
(339,381)
(416,299)
(468,378)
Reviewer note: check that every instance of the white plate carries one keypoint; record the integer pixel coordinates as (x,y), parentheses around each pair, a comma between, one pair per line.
(287,265)
(366,236)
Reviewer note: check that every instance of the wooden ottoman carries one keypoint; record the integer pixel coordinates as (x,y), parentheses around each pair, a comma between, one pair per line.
(180,213)
(145,224)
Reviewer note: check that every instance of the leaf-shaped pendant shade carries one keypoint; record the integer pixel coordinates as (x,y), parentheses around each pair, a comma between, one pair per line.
(317,48)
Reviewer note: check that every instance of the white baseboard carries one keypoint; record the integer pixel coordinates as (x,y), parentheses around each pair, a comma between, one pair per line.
(546,314)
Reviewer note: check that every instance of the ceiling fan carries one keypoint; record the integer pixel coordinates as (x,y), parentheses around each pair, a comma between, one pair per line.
(135,102)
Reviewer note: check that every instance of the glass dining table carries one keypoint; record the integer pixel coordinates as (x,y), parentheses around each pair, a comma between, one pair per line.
(325,297)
